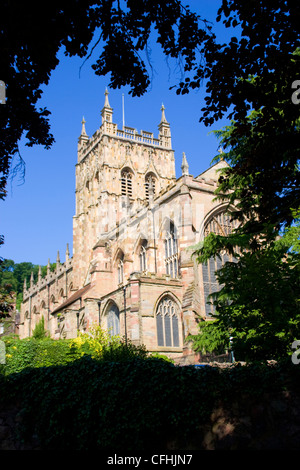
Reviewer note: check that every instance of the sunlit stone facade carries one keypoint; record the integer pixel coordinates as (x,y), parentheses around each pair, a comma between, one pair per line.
(132,269)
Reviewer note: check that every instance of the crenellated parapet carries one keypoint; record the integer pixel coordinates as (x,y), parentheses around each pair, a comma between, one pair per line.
(87,144)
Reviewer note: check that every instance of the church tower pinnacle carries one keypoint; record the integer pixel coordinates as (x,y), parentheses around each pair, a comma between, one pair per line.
(83,138)
(83,131)
(164,130)
(184,165)
(107,111)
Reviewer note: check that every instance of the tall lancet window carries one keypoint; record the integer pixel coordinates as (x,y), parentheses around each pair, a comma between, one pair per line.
(142,256)
(126,183)
(171,252)
(150,182)
(113,320)
(121,269)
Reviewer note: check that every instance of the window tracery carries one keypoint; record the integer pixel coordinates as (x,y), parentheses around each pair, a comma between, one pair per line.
(220,224)
(167,324)
(171,252)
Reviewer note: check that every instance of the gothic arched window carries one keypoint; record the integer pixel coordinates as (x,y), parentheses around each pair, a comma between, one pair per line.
(113,320)
(220,224)
(167,324)
(150,179)
(52,301)
(126,183)
(142,256)
(171,254)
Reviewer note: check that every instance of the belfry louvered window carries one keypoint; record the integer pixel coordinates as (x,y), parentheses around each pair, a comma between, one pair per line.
(149,180)
(171,254)
(220,224)
(113,320)
(167,324)
(126,183)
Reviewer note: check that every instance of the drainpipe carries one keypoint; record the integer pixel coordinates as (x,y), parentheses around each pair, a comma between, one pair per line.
(154,242)
(48,320)
(29,323)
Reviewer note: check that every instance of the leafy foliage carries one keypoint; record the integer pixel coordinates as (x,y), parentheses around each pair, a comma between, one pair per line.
(267,34)
(7,292)
(263,179)
(123,34)
(42,351)
(35,353)
(249,80)
(39,331)
(120,32)
(258,302)
(99,344)
(213,338)
(13,274)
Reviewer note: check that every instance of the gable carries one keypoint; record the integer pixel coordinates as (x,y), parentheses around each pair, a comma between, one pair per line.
(213,172)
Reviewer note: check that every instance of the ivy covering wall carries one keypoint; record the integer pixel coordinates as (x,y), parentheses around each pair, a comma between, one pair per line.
(139,404)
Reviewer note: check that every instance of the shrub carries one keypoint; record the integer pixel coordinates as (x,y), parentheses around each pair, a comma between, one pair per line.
(42,351)
(94,342)
(32,353)
(39,331)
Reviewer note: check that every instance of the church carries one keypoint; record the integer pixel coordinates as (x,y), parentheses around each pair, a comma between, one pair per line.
(135,223)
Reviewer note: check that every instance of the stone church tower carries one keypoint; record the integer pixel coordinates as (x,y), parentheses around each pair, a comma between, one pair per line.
(113,173)
(132,269)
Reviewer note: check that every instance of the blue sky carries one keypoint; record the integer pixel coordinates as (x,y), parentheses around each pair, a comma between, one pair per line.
(36,217)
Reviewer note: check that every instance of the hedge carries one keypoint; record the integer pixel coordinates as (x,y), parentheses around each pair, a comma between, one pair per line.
(134,405)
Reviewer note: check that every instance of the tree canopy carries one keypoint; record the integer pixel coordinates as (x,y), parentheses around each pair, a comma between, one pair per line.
(31,36)
(258,302)
(12,277)
(253,70)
